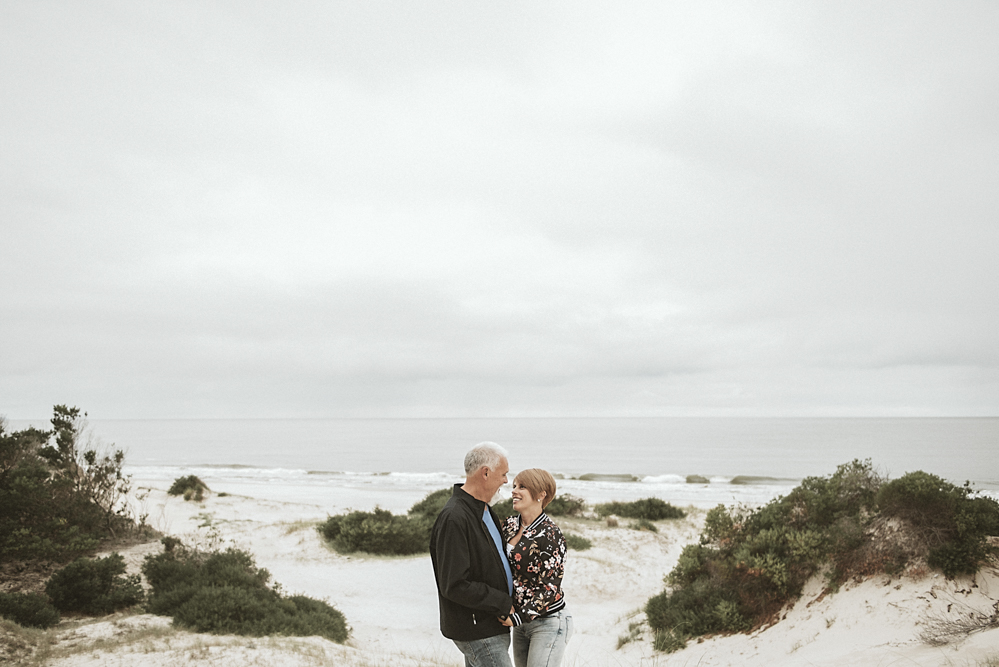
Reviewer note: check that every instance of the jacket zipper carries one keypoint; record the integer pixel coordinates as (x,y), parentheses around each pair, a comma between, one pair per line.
(474,622)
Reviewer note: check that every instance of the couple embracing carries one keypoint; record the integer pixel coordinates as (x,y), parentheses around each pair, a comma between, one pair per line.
(492,576)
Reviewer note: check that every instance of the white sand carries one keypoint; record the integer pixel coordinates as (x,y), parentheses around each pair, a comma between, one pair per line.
(391,603)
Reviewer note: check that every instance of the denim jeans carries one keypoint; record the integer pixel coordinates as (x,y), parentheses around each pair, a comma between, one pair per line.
(542,642)
(488,652)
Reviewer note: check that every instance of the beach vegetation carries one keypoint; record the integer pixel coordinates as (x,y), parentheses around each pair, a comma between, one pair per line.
(643,524)
(650,509)
(950,520)
(94,586)
(223,592)
(29,610)
(60,493)
(504,509)
(190,487)
(634,632)
(378,532)
(577,542)
(431,504)
(566,504)
(21,644)
(749,563)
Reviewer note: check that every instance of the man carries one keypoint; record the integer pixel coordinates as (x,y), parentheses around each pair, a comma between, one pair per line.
(474,583)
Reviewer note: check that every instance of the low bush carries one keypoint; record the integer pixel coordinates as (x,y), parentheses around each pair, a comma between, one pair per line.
(577,542)
(750,563)
(949,519)
(94,587)
(565,504)
(504,509)
(378,532)
(225,593)
(432,503)
(29,610)
(651,509)
(191,487)
(643,524)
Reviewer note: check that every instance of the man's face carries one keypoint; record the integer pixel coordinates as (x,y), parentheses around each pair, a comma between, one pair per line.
(497,477)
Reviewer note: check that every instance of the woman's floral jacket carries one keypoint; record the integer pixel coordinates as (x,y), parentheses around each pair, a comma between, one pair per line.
(538,564)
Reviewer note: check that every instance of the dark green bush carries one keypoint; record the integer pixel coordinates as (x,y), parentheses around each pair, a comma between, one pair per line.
(565,504)
(576,542)
(378,532)
(651,509)
(432,503)
(94,587)
(57,502)
(28,609)
(225,593)
(952,522)
(749,563)
(191,487)
(504,509)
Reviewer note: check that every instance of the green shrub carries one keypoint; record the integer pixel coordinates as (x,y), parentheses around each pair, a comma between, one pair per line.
(643,524)
(749,563)
(432,503)
(57,502)
(565,504)
(94,587)
(378,532)
(576,542)
(651,509)
(28,609)
(191,487)
(953,523)
(504,509)
(225,593)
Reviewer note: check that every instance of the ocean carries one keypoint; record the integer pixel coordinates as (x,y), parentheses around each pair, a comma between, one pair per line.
(745,460)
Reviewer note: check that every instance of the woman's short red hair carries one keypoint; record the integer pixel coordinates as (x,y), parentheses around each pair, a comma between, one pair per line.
(537,481)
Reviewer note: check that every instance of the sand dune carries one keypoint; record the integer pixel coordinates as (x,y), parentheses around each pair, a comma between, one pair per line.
(391,605)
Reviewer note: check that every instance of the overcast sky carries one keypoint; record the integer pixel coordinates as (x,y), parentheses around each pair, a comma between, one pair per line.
(295,209)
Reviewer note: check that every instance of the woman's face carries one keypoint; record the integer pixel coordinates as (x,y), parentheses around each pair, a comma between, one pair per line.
(522,498)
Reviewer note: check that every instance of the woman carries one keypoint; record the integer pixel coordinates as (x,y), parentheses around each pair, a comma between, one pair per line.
(536,550)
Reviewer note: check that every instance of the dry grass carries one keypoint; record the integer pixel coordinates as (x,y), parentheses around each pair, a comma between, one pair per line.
(960,621)
(18,645)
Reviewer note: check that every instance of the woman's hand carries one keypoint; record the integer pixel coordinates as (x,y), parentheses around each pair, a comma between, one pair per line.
(508,622)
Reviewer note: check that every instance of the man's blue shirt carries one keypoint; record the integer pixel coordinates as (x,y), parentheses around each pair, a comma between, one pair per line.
(498,541)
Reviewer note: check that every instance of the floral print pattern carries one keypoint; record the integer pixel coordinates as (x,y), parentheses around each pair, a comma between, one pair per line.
(538,565)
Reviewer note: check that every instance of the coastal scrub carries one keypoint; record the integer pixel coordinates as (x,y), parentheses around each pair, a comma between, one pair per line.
(750,563)
(223,592)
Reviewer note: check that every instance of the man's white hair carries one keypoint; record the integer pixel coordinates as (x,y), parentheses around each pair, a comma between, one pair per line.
(486,454)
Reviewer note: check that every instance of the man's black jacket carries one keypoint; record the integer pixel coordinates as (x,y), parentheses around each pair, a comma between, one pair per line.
(471,581)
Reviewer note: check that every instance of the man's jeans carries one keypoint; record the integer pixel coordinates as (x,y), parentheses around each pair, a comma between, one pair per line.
(542,642)
(488,652)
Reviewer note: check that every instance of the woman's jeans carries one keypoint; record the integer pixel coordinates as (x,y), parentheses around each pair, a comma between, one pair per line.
(542,642)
